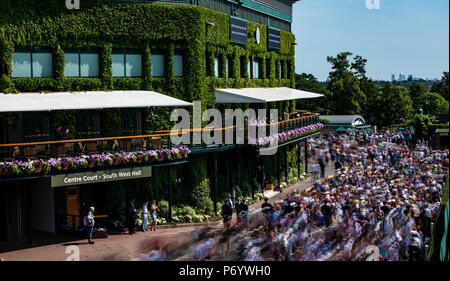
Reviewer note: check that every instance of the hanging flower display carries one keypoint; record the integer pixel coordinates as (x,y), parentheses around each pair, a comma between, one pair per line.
(46,166)
(286,135)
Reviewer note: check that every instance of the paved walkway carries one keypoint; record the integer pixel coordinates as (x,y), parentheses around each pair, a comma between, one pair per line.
(51,247)
(300,186)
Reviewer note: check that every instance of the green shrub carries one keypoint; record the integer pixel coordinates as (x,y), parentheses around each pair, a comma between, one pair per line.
(163,207)
(186,211)
(201,199)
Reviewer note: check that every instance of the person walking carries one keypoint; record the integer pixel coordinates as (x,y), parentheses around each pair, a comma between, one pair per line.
(90,224)
(145,216)
(227,214)
(322,167)
(132,217)
(154,208)
(243,211)
(266,208)
(238,208)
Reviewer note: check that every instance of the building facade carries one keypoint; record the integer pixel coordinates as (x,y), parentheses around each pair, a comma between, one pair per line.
(182,49)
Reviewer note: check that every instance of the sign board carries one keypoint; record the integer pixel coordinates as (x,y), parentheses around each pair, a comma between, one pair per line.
(238,30)
(273,38)
(90,177)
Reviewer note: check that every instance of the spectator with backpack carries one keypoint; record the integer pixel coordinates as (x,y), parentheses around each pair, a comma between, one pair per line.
(89,224)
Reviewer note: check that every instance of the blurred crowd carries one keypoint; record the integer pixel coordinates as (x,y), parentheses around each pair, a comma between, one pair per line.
(379,205)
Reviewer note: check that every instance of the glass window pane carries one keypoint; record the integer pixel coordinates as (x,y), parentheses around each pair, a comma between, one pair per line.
(227,68)
(89,65)
(118,68)
(256,68)
(42,65)
(157,65)
(21,65)
(216,67)
(178,65)
(71,65)
(134,65)
(249,68)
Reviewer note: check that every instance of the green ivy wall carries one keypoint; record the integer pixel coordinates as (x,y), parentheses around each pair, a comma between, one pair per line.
(104,25)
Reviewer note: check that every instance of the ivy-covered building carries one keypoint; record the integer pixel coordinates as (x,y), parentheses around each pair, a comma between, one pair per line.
(179,49)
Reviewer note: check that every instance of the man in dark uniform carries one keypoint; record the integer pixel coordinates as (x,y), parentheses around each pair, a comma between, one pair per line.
(132,217)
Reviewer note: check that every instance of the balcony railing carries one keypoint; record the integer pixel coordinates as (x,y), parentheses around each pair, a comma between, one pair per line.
(51,156)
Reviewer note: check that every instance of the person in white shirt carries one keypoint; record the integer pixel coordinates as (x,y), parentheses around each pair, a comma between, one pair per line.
(90,224)
(145,216)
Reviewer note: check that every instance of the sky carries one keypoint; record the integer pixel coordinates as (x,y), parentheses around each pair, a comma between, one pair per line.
(402,36)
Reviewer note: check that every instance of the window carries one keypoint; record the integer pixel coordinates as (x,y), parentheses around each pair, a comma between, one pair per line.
(282,73)
(249,67)
(126,63)
(131,122)
(35,126)
(216,67)
(268,68)
(243,67)
(289,70)
(81,63)
(256,68)
(208,70)
(178,65)
(229,68)
(157,64)
(278,69)
(87,124)
(28,63)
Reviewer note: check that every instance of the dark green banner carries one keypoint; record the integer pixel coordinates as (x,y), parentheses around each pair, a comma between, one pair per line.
(101,176)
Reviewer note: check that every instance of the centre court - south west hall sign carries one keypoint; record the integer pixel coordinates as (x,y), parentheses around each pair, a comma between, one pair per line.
(101,176)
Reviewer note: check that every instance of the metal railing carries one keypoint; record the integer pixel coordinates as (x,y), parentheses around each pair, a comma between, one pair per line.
(157,140)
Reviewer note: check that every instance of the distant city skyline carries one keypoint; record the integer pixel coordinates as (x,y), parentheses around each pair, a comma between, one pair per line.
(325,28)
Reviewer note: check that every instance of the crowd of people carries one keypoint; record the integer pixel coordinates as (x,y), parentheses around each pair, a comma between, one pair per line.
(379,205)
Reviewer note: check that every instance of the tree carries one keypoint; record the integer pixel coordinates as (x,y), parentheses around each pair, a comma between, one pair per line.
(396,104)
(373,108)
(359,67)
(307,82)
(347,96)
(434,103)
(421,124)
(442,87)
(416,92)
(201,199)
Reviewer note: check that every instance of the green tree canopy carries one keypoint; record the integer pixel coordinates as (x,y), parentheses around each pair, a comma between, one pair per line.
(307,82)
(347,96)
(417,92)
(442,87)
(434,104)
(396,104)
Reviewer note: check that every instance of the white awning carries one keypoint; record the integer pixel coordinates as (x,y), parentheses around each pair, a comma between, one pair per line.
(85,100)
(261,95)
